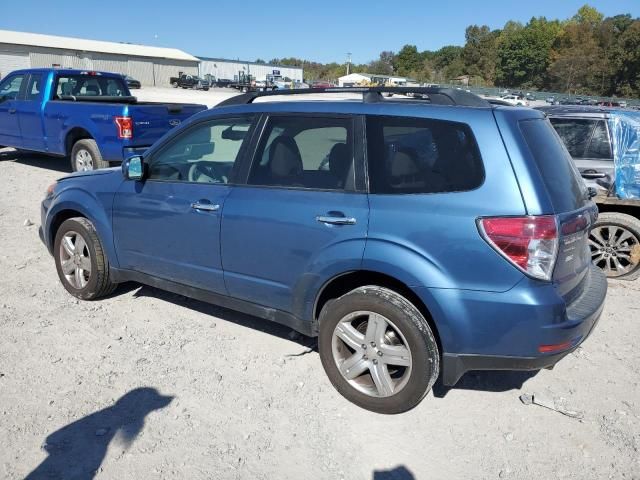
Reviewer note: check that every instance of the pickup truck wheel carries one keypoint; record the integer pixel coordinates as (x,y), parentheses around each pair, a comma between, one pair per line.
(85,155)
(81,261)
(615,245)
(174,84)
(378,350)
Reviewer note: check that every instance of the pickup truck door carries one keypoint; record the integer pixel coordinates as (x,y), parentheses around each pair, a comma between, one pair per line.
(168,226)
(10,90)
(29,108)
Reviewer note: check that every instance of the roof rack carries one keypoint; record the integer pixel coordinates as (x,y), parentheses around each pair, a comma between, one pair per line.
(435,96)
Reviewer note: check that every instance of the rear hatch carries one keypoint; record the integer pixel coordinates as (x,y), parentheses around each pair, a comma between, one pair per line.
(152,120)
(575,212)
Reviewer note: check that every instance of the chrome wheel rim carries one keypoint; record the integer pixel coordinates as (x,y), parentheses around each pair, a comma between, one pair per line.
(371,354)
(614,249)
(75,260)
(84,161)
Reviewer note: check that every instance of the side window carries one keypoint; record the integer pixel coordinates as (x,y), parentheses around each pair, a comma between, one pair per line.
(305,152)
(575,133)
(205,153)
(599,147)
(418,155)
(10,87)
(34,87)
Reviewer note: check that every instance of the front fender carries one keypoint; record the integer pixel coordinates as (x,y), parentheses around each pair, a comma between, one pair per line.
(87,205)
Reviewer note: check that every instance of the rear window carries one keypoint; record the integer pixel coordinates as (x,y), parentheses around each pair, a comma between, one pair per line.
(90,86)
(563,182)
(419,155)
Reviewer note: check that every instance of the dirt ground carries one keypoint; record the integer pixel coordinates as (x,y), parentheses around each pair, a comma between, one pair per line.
(147,384)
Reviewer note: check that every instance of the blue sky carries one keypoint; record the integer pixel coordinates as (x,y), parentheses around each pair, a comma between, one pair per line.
(311,29)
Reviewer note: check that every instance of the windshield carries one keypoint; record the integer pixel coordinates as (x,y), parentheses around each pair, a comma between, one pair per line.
(90,86)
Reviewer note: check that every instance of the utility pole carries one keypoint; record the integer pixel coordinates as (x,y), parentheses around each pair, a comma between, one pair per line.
(348,63)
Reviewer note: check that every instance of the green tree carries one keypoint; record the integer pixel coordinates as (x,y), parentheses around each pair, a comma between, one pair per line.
(524,52)
(407,60)
(480,52)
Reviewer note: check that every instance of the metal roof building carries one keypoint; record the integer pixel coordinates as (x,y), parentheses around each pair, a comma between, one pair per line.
(150,65)
(229,69)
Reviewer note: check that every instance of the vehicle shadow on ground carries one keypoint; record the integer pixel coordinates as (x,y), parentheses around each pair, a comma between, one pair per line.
(59,164)
(398,473)
(249,321)
(486,381)
(78,449)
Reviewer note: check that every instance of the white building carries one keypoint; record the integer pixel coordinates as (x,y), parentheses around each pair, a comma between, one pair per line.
(221,68)
(358,78)
(150,65)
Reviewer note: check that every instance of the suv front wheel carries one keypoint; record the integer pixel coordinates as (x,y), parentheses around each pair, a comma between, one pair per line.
(378,350)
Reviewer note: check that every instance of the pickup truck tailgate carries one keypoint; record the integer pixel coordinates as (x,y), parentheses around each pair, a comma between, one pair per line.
(152,120)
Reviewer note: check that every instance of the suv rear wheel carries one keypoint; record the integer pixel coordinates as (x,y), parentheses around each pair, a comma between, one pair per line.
(615,245)
(378,350)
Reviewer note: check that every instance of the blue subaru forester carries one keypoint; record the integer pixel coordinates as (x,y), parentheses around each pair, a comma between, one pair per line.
(416,237)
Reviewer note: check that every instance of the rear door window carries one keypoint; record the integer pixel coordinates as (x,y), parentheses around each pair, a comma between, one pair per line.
(305,152)
(563,182)
(10,87)
(419,155)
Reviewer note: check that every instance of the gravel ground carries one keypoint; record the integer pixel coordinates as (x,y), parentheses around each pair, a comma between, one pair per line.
(147,384)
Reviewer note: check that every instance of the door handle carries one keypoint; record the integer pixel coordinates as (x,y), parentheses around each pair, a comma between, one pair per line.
(205,207)
(593,175)
(12,111)
(336,220)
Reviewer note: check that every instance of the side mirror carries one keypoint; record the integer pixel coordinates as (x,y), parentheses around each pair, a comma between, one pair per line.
(133,168)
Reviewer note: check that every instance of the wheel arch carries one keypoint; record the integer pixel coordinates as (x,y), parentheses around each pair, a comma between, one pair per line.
(73,135)
(345,282)
(81,207)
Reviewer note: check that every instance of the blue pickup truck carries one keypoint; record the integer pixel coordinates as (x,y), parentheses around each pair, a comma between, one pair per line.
(90,117)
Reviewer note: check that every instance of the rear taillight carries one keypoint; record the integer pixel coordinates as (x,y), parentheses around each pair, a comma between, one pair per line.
(125,127)
(530,243)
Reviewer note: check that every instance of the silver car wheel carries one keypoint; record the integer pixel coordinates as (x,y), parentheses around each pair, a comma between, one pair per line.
(371,354)
(84,160)
(613,249)
(75,260)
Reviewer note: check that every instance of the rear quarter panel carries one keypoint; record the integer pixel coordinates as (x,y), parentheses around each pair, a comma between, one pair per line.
(432,240)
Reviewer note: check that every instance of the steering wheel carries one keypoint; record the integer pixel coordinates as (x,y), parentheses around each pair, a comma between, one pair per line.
(201,172)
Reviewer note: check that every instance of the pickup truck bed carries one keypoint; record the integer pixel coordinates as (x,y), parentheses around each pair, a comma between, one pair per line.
(40,116)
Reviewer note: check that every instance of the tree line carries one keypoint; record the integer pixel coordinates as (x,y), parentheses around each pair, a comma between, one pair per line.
(586,54)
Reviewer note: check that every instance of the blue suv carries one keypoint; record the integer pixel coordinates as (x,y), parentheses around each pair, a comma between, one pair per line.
(416,237)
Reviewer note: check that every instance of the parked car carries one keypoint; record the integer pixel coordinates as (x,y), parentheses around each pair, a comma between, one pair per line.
(455,241)
(551,100)
(189,81)
(615,239)
(322,84)
(222,83)
(515,100)
(89,116)
(132,82)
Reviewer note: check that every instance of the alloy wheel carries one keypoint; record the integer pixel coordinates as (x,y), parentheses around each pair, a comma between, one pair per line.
(614,249)
(84,160)
(75,260)
(371,353)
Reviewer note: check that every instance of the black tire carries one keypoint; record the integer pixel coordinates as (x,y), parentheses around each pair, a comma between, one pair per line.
(425,358)
(99,283)
(89,146)
(615,221)
(174,84)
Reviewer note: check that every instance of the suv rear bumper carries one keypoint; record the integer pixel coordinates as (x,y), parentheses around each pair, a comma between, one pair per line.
(488,339)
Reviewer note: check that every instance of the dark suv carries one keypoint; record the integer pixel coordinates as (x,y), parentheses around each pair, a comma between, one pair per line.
(415,237)
(587,133)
